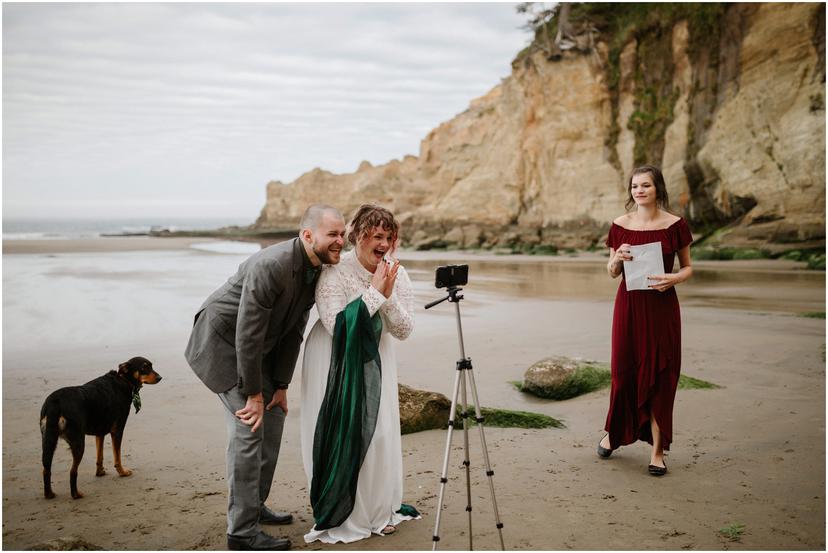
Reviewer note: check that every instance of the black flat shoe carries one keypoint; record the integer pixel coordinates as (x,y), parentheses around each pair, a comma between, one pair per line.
(257,542)
(266,516)
(603,452)
(656,470)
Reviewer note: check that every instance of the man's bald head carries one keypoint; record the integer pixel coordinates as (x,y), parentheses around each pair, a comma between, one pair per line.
(314,215)
(322,231)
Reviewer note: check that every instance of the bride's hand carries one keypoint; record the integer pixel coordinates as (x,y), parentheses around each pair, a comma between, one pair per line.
(392,272)
(391,279)
(380,278)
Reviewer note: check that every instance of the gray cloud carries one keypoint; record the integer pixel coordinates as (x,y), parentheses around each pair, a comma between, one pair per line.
(194,107)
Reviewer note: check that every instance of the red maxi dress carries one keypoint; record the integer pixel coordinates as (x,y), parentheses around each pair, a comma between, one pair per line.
(646,345)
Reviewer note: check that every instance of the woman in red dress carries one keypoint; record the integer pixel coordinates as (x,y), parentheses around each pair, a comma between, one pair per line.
(646,324)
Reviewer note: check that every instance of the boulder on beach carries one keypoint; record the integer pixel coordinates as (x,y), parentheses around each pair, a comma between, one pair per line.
(563,378)
(422,410)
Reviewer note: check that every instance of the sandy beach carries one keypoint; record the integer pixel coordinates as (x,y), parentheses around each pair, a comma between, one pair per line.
(751,452)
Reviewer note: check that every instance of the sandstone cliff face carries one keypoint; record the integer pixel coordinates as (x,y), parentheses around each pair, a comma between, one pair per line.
(767,140)
(536,160)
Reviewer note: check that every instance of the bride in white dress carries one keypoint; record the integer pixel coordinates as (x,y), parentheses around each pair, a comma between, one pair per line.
(362,273)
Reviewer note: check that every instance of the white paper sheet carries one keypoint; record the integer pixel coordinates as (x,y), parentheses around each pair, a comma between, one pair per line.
(646,261)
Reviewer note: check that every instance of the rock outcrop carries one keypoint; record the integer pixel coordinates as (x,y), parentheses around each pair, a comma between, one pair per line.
(422,410)
(564,378)
(735,116)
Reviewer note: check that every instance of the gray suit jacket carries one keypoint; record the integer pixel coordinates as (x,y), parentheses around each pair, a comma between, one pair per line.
(253,324)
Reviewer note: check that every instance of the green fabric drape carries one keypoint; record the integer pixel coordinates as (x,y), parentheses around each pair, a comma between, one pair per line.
(348,416)
(408,511)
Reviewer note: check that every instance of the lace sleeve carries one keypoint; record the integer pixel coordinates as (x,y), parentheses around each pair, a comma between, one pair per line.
(330,297)
(399,309)
(373,300)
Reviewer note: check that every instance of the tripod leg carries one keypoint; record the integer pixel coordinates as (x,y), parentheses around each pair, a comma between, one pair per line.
(489,471)
(466,462)
(444,475)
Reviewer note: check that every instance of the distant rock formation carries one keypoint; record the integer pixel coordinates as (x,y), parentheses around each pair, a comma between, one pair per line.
(730,103)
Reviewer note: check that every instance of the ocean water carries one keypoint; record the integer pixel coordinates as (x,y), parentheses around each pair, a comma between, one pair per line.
(64,229)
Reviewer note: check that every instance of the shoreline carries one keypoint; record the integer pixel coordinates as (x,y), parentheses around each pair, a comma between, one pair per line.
(111,244)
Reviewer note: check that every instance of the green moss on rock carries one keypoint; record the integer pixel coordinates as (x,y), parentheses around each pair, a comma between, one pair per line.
(504,418)
(423,410)
(813,314)
(813,257)
(689,383)
(560,378)
(817,262)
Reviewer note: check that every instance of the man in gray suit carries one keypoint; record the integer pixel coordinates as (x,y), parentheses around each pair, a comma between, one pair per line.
(244,345)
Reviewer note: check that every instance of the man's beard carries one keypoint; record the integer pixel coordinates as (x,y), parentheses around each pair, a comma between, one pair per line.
(325,255)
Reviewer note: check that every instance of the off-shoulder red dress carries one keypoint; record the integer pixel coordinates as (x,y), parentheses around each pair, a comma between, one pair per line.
(646,345)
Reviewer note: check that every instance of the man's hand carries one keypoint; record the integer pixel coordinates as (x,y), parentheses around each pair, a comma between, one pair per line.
(280,399)
(253,412)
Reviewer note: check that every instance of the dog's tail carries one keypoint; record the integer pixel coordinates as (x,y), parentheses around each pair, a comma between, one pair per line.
(50,423)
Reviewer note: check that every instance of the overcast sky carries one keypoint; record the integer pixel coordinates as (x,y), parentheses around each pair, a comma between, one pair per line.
(138,110)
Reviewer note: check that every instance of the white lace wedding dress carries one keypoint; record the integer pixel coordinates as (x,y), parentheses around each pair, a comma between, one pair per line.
(380,484)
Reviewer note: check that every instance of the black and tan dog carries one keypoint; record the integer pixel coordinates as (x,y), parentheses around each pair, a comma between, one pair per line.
(97,408)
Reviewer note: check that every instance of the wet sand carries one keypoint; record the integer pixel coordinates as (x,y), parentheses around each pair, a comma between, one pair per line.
(752,452)
(106,244)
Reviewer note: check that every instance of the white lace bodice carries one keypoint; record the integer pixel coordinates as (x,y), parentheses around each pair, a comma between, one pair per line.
(341,284)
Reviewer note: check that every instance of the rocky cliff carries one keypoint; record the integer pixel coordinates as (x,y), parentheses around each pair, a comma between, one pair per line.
(728,99)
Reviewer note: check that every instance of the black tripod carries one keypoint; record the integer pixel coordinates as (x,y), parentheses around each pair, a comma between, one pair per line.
(464,366)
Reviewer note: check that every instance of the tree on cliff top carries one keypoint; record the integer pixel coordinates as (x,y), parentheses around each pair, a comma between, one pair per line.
(579,24)
(543,17)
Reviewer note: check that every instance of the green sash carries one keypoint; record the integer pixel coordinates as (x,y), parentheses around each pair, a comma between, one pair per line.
(348,416)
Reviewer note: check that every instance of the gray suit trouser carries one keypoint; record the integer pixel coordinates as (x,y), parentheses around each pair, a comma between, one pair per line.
(251,460)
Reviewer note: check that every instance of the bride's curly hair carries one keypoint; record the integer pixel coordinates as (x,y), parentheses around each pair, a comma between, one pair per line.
(369,216)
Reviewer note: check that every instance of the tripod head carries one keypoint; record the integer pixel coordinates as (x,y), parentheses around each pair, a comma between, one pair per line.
(450,277)
(454,296)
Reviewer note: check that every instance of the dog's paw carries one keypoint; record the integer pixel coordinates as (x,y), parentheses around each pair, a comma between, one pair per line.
(49,495)
(124,472)
(77,495)
(100,471)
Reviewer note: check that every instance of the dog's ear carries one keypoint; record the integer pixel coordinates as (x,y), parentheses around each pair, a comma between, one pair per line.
(123,368)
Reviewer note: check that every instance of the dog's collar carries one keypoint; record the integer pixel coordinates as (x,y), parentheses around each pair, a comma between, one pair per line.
(136,397)
(136,389)
(136,400)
